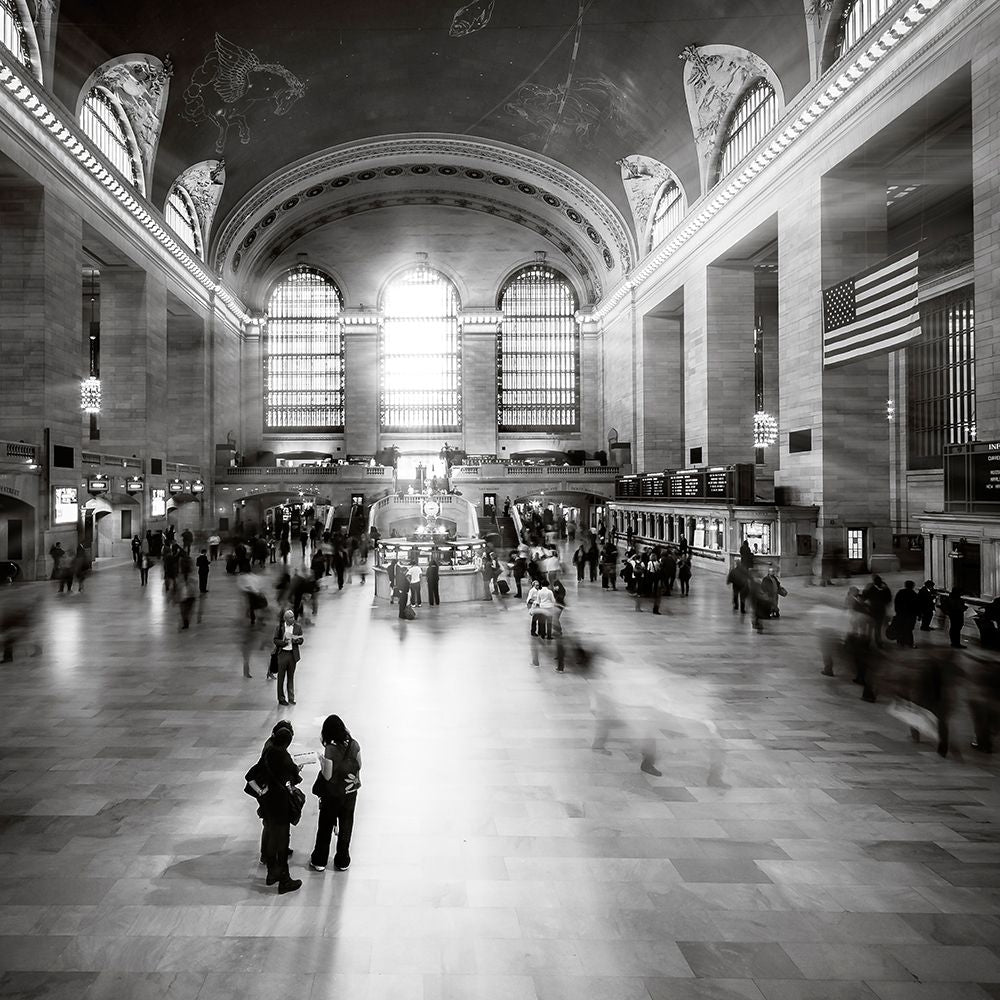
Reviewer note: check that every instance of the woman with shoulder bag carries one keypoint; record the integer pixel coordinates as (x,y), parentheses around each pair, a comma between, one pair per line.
(278,806)
(337,787)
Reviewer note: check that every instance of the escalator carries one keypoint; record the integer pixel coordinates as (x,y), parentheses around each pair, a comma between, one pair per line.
(507,531)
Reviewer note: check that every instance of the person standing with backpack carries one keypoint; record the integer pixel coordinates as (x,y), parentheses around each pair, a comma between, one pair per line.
(337,787)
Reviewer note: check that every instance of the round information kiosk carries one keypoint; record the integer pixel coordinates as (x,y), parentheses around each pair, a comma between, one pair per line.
(414,529)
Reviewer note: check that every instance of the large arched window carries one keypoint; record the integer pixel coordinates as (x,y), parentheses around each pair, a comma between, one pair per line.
(538,353)
(668,213)
(182,217)
(858,17)
(12,32)
(755,115)
(304,359)
(421,363)
(108,128)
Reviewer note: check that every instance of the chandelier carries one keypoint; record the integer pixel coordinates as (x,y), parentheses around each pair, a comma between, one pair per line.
(765,430)
(90,395)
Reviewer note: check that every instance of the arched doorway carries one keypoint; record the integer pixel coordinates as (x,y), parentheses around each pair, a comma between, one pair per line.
(17,535)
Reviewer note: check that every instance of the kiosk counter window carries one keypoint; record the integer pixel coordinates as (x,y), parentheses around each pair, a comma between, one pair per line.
(758,535)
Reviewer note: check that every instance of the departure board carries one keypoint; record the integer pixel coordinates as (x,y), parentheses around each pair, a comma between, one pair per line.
(723,484)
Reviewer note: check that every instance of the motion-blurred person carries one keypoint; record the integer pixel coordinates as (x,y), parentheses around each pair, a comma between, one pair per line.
(252,586)
(934,687)
(171,567)
(954,608)
(579,561)
(184,595)
(413,575)
(18,611)
(518,570)
(984,699)
(541,603)
(337,787)
(136,547)
(828,624)
(878,598)
(773,591)
(214,542)
(926,598)
(202,564)
(684,575)
(144,560)
(486,573)
(739,580)
(609,566)
(906,605)
(56,553)
(559,602)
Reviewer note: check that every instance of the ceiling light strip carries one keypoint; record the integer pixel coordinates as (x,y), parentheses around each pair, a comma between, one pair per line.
(76,144)
(789,133)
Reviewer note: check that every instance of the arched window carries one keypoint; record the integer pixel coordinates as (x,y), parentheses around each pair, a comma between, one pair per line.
(538,353)
(755,116)
(304,358)
(182,217)
(108,128)
(421,363)
(12,32)
(858,17)
(669,212)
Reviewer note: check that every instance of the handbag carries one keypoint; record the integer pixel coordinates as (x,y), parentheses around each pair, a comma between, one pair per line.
(296,800)
(892,631)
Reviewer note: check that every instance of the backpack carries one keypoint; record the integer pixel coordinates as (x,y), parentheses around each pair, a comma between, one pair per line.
(344,781)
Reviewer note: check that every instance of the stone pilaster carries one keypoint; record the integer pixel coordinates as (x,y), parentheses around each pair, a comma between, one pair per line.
(986,235)
(361,405)
(188,392)
(251,391)
(660,403)
(479,381)
(134,363)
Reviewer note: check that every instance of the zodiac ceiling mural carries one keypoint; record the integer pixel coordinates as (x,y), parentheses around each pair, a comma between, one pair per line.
(244,85)
(471,18)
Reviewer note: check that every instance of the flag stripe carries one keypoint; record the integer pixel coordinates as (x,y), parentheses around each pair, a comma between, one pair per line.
(894,344)
(872,313)
(906,322)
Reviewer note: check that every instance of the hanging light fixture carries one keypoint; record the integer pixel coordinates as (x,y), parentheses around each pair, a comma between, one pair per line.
(765,430)
(90,395)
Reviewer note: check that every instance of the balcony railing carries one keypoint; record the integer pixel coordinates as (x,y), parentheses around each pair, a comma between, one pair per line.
(502,471)
(21,453)
(118,461)
(348,472)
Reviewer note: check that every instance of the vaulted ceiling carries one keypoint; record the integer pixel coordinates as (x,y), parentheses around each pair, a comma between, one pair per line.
(574,84)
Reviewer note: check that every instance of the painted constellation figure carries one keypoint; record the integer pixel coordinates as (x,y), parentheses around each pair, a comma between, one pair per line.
(578,110)
(241,81)
(471,18)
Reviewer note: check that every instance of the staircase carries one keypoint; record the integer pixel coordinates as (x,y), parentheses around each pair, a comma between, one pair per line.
(507,531)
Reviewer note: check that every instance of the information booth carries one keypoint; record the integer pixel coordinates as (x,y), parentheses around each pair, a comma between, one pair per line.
(413,528)
(962,543)
(714,510)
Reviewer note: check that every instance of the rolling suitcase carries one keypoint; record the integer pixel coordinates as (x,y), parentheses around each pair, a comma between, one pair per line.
(503,587)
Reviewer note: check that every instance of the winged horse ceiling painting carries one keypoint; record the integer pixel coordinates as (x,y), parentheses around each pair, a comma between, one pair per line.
(241,82)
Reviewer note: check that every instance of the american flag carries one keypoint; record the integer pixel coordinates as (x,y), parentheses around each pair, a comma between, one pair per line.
(872,313)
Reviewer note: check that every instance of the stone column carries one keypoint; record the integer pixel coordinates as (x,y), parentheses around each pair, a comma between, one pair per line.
(986,235)
(479,380)
(660,396)
(590,383)
(40,336)
(188,392)
(250,387)
(134,363)
(830,229)
(361,405)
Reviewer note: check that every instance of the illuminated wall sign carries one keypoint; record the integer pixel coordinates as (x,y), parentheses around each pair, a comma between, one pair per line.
(175,486)
(134,484)
(96,485)
(197,486)
(65,505)
(157,503)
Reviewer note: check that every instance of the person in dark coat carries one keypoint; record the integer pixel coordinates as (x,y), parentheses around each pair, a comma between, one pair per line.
(56,552)
(984,700)
(202,562)
(287,639)
(925,608)
(275,809)
(878,597)
(669,571)
(739,580)
(433,577)
(906,606)
(746,556)
(954,607)
(519,570)
(934,688)
(684,575)
(337,788)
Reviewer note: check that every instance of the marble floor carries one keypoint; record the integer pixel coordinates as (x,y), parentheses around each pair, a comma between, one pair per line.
(797,846)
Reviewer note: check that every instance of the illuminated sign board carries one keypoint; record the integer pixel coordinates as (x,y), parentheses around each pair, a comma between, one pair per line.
(65,505)
(175,486)
(134,485)
(98,484)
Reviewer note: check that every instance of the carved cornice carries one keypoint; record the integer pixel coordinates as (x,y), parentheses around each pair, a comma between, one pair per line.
(576,252)
(456,156)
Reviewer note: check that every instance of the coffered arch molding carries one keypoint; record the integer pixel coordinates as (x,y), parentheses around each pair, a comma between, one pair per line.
(478,170)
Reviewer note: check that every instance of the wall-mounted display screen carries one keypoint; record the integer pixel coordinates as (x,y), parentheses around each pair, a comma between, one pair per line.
(65,505)
(157,503)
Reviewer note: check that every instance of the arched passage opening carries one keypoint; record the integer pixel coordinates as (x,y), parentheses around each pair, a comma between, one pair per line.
(17,536)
